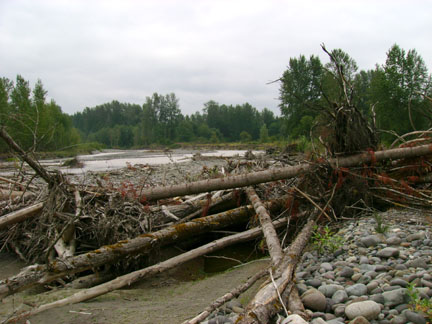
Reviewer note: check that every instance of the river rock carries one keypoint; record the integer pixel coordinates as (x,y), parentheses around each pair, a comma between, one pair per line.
(357,290)
(370,240)
(329,290)
(388,252)
(346,272)
(417,263)
(340,296)
(414,317)
(314,300)
(294,319)
(368,309)
(394,297)
(359,320)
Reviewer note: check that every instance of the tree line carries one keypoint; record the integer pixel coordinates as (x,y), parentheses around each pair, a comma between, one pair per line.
(396,96)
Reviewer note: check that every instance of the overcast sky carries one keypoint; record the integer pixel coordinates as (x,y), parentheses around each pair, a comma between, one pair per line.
(90,52)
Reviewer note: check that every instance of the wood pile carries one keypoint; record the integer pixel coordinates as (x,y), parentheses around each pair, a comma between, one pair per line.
(68,231)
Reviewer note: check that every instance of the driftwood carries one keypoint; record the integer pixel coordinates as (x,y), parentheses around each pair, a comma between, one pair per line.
(132,277)
(269,232)
(254,178)
(20,215)
(42,274)
(12,194)
(266,302)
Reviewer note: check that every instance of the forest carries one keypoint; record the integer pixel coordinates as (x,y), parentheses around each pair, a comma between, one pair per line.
(396,96)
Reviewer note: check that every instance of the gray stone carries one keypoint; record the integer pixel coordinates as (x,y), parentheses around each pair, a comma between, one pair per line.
(346,272)
(318,320)
(398,320)
(426,283)
(388,252)
(340,296)
(394,297)
(399,282)
(417,263)
(357,290)
(356,276)
(337,320)
(339,310)
(368,309)
(414,317)
(359,320)
(364,260)
(313,282)
(329,290)
(393,240)
(378,298)
(416,236)
(370,240)
(372,285)
(314,300)
(326,266)
(294,319)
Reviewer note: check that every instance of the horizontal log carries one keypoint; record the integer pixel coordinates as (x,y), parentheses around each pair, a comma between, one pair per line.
(42,274)
(254,178)
(20,215)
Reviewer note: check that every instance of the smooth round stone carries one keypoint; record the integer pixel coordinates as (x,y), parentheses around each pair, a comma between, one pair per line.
(370,240)
(400,267)
(388,252)
(414,317)
(356,290)
(426,283)
(417,263)
(313,282)
(326,266)
(399,282)
(399,320)
(314,300)
(329,290)
(318,320)
(346,272)
(340,296)
(329,275)
(356,276)
(394,297)
(364,260)
(378,298)
(393,240)
(368,309)
(294,319)
(372,285)
(339,310)
(416,236)
(359,320)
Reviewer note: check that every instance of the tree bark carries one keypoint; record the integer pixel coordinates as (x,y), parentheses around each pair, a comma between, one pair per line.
(20,215)
(244,180)
(269,232)
(132,277)
(42,274)
(266,302)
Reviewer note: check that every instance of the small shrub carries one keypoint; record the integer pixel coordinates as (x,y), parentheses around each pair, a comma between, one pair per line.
(380,227)
(418,304)
(323,239)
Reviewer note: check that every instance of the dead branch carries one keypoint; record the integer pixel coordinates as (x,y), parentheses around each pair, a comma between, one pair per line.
(20,215)
(244,180)
(132,277)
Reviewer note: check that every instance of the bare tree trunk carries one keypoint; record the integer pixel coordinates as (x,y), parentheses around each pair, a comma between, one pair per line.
(266,302)
(269,232)
(132,277)
(20,215)
(24,156)
(42,274)
(244,180)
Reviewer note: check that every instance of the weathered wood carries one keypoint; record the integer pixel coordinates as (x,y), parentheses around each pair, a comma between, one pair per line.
(266,302)
(253,178)
(42,274)
(269,232)
(132,277)
(6,194)
(25,157)
(20,215)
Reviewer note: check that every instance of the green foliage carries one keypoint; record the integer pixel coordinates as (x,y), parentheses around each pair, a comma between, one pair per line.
(245,137)
(35,124)
(264,135)
(419,304)
(324,240)
(380,227)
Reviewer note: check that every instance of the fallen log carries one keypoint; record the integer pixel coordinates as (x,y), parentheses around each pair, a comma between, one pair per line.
(132,277)
(6,194)
(266,302)
(253,178)
(269,232)
(20,215)
(22,186)
(42,274)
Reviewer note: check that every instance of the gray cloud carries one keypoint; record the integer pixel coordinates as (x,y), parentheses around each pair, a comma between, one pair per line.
(90,52)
